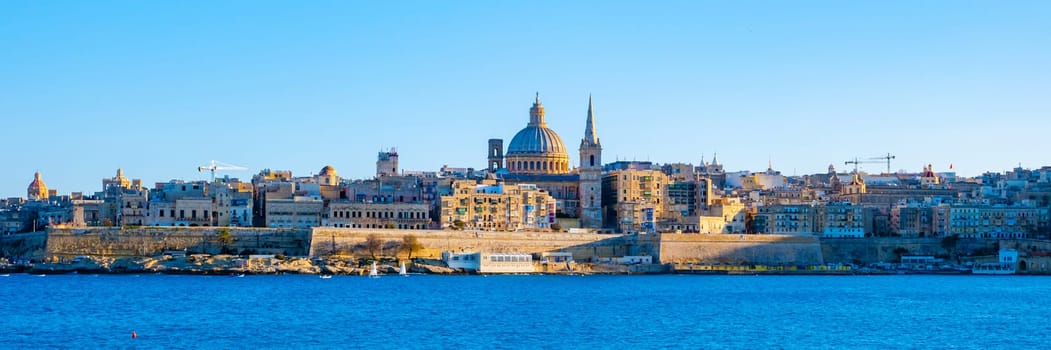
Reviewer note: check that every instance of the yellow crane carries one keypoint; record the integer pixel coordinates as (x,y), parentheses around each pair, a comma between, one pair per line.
(212,166)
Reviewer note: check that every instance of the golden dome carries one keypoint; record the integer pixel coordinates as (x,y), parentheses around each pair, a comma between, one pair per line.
(37,189)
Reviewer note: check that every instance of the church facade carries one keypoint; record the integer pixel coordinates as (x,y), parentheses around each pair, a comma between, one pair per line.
(536,155)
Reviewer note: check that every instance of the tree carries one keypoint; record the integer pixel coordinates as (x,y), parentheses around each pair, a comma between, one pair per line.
(225,239)
(458,224)
(373,243)
(899,251)
(411,244)
(949,244)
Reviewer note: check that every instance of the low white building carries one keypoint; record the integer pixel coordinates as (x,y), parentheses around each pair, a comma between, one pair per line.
(490,262)
(634,260)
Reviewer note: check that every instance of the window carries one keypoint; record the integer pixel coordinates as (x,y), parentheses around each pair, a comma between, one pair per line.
(592,160)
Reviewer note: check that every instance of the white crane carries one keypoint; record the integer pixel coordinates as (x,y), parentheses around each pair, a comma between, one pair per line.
(216,165)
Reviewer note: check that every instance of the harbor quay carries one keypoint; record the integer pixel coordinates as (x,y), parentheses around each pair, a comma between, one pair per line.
(324,250)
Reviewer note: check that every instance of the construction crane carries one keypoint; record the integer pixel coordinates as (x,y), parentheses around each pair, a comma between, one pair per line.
(887,158)
(212,166)
(872,160)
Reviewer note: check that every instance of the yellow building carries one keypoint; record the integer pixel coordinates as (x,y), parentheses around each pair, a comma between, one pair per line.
(492,205)
(402,216)
(298,212)
(633,200)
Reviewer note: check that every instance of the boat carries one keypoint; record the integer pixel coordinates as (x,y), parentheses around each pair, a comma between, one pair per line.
(325,277)
(5,275)
(374,273)
(402,270)
(237,275)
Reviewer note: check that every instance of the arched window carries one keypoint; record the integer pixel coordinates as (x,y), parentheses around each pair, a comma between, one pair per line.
(592,160)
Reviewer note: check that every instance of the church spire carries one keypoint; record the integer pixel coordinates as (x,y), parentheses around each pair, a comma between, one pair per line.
(590,137)
(536,113)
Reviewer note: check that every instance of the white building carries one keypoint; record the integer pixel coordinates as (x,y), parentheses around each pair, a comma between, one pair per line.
(490,262)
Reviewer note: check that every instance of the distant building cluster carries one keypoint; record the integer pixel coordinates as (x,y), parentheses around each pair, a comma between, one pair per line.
(532,186)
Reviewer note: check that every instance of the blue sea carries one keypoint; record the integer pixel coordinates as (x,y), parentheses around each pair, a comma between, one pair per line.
(524,312)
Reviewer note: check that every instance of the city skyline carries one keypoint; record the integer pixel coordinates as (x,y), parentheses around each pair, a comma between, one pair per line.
(159,89)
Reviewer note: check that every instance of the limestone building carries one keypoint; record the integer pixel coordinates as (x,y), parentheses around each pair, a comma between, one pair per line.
(633,199)
(387,163)
(494,205)
(402,216)
(297,212)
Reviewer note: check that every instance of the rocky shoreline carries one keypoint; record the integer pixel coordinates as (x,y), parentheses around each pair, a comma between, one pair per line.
(202,264)
(222,265)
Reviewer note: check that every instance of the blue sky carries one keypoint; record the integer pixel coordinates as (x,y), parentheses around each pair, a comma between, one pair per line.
(158,88)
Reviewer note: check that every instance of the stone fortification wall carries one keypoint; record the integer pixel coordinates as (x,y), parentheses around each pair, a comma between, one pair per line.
(24,245)
(882,249)
(116,242)
(740,249)
(1027,245)
(327,241)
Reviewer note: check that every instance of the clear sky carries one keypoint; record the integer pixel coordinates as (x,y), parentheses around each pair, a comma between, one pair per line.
(158,88)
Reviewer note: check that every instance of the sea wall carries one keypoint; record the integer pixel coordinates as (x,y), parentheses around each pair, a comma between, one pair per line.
(327,241)
(323,241)
(24,245)
(739,249)
(116,242)
(888,249)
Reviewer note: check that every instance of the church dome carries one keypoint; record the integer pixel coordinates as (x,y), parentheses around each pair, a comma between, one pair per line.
(37,190)
(328,170)
(535,139)
(536,149)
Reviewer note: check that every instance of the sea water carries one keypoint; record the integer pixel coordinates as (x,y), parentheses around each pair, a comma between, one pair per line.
(524,312)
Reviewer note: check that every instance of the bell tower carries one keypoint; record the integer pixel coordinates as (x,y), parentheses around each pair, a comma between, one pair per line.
(496,154)
(590,171)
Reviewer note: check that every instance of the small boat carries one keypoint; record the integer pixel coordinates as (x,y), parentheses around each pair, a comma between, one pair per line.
(325,277)
(41,275)
(238,275)
(5,275)
(402,271)
(374,273)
